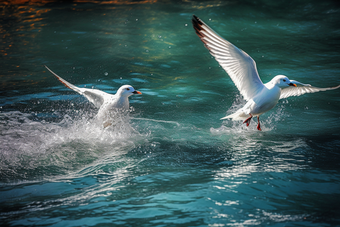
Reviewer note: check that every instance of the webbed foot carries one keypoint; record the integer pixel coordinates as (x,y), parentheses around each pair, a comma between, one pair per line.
(248,120)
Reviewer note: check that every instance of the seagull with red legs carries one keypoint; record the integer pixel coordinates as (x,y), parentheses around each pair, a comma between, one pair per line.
(242,70)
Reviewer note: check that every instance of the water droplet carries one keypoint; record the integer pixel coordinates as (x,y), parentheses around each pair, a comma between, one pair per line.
(106,73)
(147,51)
(186,25)
(169,47)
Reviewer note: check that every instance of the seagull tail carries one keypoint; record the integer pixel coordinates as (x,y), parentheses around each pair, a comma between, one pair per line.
(238,115)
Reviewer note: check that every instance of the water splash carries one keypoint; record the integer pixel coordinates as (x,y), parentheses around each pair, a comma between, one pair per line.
(269,121)
(38,149)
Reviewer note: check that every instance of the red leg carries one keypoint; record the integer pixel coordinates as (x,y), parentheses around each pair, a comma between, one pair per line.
(248,120)
(258,124)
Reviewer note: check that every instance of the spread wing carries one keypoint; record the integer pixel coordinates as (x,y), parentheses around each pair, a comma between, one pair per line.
(238,64)
(301,89)
(93,95)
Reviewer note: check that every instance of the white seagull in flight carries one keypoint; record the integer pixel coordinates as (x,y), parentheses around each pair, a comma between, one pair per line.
(242,70)
(117,103)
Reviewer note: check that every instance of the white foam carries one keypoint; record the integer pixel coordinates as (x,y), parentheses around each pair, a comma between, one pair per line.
(48,148)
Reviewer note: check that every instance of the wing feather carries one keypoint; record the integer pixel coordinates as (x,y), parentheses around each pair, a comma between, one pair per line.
(93,95)
(301,89)
(238,64)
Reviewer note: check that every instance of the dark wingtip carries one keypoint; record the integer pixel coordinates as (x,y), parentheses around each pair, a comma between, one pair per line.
(197,24)
(196,20)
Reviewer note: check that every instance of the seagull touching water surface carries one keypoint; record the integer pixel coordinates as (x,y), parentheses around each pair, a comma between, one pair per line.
(107,103)
(242,70)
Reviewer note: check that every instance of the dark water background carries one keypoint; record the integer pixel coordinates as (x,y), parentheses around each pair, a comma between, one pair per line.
(174,163)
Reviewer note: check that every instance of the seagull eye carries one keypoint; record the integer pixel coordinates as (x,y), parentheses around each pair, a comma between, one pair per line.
(284,80)
(128,89)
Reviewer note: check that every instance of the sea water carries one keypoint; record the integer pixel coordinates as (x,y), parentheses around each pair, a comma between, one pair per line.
(171,162)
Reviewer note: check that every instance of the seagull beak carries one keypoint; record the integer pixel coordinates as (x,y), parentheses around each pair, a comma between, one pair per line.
(137,92)
(291,84)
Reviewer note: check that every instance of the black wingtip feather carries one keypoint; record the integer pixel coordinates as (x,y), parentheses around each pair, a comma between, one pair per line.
(196,20)
(197,24)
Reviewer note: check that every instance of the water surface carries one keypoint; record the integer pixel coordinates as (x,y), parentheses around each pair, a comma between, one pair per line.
(173,162)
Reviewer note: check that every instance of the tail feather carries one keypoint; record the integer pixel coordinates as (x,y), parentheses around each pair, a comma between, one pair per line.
(238,115)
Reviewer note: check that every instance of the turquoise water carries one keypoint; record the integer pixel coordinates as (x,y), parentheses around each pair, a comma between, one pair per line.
(173,163)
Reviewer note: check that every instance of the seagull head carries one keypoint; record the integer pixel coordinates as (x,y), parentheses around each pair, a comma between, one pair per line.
(127,90)
(282,81)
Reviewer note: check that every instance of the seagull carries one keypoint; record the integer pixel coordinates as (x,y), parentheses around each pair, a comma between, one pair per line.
(105,102)
(242,70)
